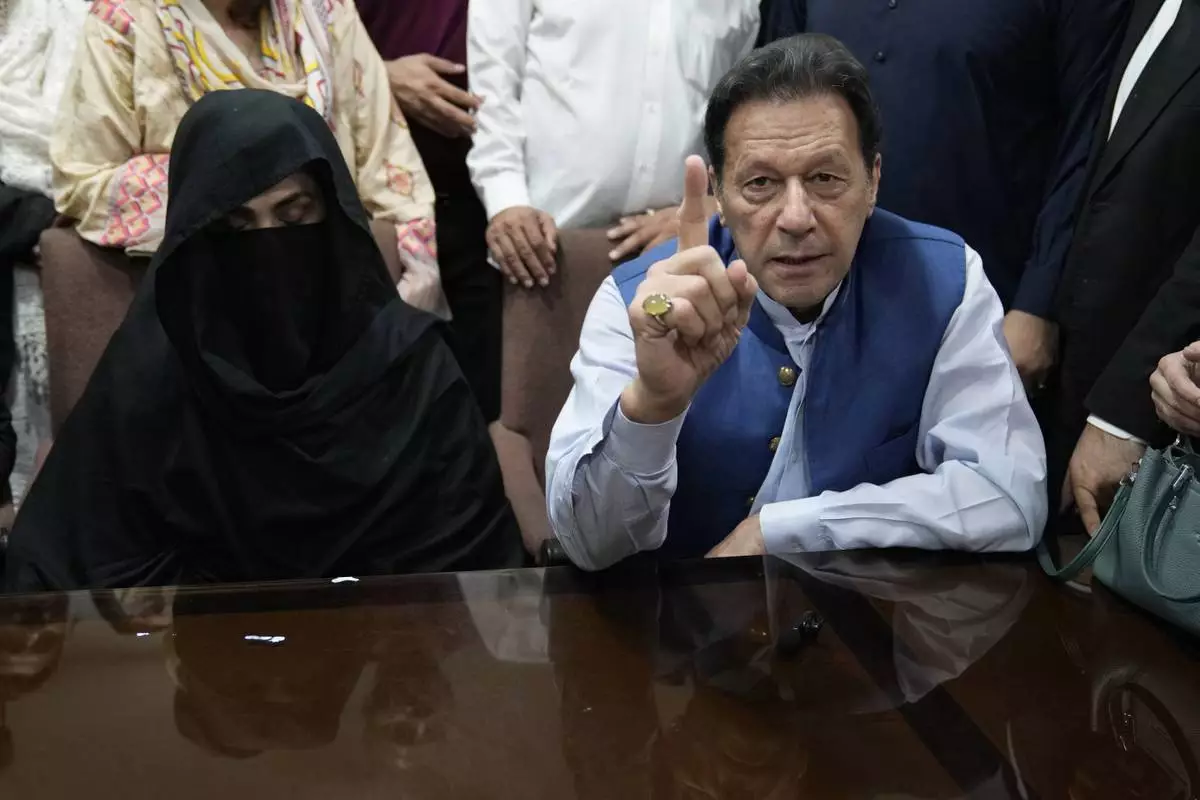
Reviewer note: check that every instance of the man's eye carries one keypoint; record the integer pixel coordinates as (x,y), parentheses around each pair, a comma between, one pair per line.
(824,177)
(758,183)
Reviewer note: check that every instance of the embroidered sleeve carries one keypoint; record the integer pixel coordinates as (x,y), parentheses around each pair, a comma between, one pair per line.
(116,193)
(421,283)
(137,203)
(388,170)
(417,240)
(391,177)
(114,15)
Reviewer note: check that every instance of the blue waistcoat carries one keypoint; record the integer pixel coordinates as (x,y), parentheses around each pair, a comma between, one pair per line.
(872,358)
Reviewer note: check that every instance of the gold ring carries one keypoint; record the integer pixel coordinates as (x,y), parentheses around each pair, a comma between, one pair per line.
(657,305)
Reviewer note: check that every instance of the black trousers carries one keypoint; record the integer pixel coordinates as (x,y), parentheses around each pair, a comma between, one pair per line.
(474,289)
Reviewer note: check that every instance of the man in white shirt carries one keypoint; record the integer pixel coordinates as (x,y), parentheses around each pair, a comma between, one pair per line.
(807,373)
(590,108)
(1131,286)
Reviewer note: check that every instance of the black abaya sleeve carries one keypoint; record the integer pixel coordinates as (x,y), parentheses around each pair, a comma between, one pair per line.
(89,521)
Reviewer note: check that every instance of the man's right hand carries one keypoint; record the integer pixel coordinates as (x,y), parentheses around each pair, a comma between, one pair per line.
(430,99)
(710,305)
(1098,465)
(524,242)
(1175,390)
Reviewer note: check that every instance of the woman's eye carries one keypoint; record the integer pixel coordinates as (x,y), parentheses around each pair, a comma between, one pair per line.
(293,215)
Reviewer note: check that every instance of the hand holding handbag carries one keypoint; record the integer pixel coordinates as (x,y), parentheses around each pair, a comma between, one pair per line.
(1148,548)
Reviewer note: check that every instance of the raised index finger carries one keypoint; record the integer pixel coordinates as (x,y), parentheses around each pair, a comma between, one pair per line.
(693,221)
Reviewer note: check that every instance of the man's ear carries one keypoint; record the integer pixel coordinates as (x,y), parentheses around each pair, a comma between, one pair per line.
(875,176)
(715,186)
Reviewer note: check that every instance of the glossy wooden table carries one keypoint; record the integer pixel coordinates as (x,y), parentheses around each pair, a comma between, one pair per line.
(930,676)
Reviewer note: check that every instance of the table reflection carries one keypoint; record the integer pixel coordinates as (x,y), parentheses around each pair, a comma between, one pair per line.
(1142,732)
(137,610)
(32,634)
(927,677)
(249,683)
(785,721)
(942,621)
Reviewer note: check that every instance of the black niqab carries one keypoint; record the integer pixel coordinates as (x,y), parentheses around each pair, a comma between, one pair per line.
(274,280)
(270,408)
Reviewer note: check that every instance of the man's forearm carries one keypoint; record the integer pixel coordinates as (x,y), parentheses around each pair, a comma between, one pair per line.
(610,500)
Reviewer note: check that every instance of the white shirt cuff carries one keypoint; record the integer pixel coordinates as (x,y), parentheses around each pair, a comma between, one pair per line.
(642,450)
(793,526)
(503,191)
(1113,430)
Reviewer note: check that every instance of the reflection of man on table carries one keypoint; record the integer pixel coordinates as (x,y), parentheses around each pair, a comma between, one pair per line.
(823,375)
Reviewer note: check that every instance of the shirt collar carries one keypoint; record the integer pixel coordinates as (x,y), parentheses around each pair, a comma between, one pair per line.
(786,322)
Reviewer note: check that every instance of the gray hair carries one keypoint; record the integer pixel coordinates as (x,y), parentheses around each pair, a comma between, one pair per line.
(794,69)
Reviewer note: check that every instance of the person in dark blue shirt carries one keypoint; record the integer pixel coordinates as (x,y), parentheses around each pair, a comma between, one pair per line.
(989,109)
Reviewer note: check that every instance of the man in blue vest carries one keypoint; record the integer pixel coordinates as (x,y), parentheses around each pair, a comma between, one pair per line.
(807,372)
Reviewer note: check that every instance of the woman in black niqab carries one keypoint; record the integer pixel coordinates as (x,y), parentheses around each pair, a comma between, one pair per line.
(270,408)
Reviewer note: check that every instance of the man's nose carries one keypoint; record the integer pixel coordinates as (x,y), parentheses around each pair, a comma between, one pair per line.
(796,217)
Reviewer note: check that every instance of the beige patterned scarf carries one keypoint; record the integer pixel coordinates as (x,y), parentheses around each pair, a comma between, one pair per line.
(296,51)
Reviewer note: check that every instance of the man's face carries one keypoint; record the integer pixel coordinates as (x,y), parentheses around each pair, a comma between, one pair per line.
(795,193)
(296,200)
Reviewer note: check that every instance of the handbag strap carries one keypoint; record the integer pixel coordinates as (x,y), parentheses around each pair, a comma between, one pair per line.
(1098,542)
(1155,533)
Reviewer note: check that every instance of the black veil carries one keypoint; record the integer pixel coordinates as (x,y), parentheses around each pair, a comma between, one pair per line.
(176,467)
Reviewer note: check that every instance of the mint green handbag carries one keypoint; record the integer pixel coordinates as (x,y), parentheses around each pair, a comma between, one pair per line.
(1148,548)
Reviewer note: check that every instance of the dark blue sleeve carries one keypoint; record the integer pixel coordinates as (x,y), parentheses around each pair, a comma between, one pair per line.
(1087,38)
(781,19)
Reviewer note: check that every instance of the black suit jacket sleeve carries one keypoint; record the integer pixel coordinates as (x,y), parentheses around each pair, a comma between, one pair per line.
(1087,38)
(1172,321)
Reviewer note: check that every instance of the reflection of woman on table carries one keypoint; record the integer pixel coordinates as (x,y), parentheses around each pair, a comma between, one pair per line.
(32,634)
(250,683)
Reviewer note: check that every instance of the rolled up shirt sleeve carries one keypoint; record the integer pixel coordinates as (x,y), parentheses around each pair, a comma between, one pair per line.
(609,481)
(983,460)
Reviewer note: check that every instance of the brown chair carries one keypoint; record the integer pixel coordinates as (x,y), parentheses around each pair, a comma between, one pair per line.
(87,291)
(541,335)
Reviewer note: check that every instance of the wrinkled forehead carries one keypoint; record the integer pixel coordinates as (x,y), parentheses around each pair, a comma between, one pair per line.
(791,134)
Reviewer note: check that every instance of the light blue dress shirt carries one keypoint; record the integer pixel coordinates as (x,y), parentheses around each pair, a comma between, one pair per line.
(609,481)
